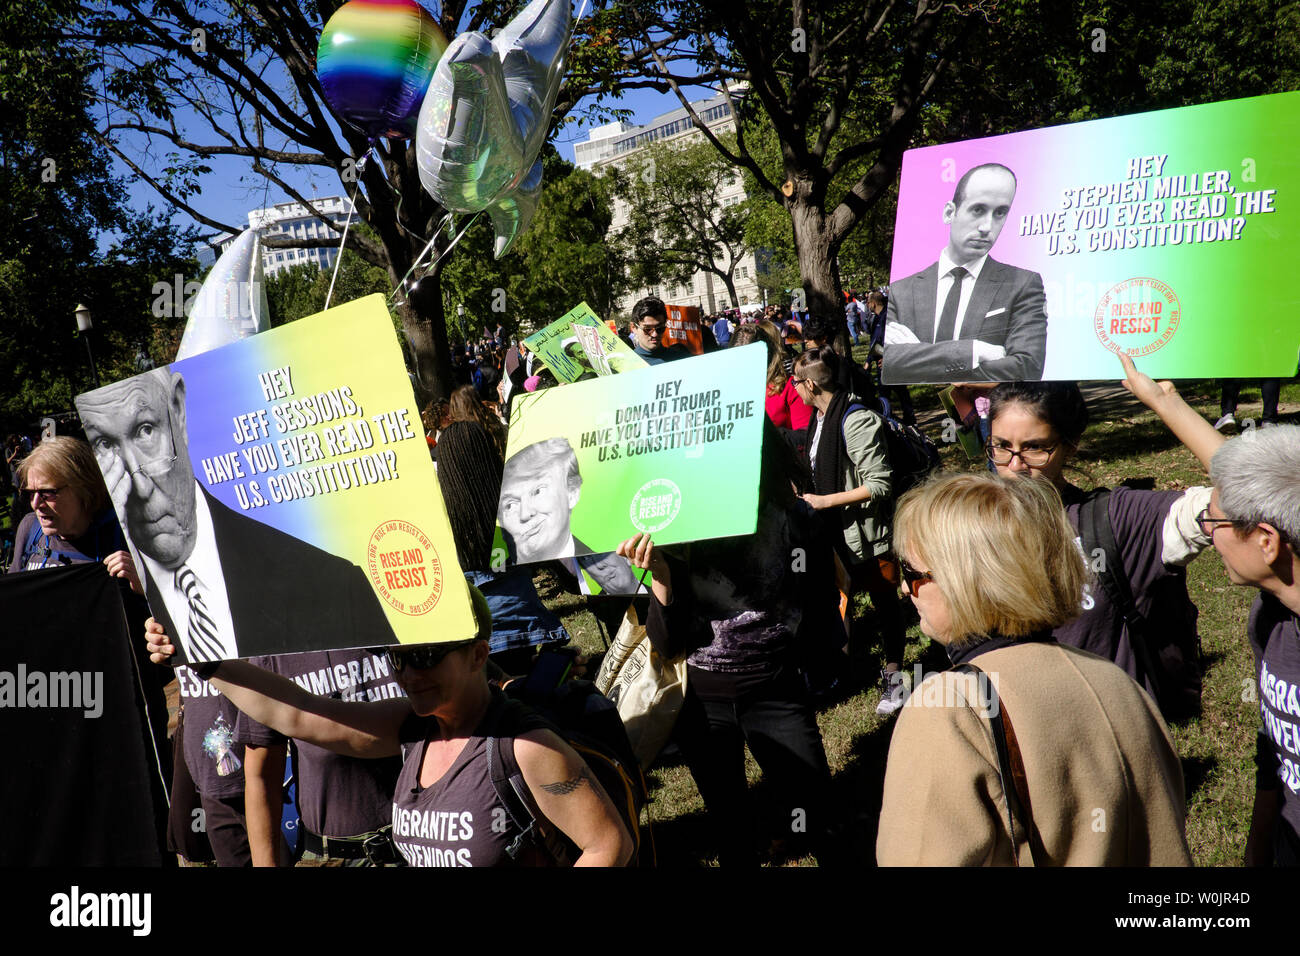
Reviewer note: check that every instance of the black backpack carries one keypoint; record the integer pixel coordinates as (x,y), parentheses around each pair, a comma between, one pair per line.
(1168,657)
(912,456)
(589,723)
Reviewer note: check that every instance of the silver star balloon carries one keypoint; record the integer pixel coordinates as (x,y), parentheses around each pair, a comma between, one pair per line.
(485,116)
(231,304)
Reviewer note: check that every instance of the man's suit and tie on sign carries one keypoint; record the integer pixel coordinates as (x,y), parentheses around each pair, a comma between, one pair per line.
(278,495)
(1111,236)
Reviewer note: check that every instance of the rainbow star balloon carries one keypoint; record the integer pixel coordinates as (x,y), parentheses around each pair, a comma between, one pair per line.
(374,62)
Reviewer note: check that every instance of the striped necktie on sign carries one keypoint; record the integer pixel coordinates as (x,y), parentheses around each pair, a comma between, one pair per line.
(204,644)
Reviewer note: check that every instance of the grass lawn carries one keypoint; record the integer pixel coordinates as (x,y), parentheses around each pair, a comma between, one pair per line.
(1124,441)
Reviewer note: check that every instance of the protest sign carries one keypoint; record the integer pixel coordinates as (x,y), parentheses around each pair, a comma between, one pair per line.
(608,573)
(558,347)
(1140,233)
(684,328)
(590,465)
(278,495)
(606,352)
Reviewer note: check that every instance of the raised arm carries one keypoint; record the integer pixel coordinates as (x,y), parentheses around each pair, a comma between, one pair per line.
(351,728)
(1184,421)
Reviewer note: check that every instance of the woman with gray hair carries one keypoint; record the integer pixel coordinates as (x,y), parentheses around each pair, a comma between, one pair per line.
(1027,751)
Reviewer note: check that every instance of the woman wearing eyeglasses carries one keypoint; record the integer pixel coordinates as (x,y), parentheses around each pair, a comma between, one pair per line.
(446,811)
(72,520)
(1027,751)
(1035,431)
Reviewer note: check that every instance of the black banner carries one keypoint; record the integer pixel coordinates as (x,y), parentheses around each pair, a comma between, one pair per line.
(84,782)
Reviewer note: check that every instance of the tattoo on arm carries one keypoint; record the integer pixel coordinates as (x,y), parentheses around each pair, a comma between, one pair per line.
(566,787)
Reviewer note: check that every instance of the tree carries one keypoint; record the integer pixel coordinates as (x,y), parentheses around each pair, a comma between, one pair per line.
(863,259)
(803,68)
(289,293)
(60,203)
(846,87)
(677,223)
(241,75)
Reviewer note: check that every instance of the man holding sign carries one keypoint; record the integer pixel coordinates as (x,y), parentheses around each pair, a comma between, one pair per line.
(969,317)
(225,585)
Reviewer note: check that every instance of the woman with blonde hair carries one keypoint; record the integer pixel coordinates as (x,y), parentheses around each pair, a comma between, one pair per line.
(1027,751)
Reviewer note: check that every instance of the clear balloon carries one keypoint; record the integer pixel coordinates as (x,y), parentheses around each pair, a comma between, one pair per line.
(485,117)
(374,62)
(231,304)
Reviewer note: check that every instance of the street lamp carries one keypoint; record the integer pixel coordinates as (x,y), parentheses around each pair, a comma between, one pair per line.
(84,326)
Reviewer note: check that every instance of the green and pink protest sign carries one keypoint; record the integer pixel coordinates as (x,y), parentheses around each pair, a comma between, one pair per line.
(1166,235)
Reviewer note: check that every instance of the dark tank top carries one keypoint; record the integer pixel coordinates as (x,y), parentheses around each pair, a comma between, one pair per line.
(459,821)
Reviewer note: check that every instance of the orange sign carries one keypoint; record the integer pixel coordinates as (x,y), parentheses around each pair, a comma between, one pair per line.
(684,328)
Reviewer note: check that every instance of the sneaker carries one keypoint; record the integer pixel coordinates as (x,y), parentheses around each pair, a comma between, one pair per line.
(1227,424)
(893,692)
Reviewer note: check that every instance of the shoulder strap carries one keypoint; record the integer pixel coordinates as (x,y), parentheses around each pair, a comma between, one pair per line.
(511,790)
(1096,531)
(853,407)
(1011,769)
(507,780)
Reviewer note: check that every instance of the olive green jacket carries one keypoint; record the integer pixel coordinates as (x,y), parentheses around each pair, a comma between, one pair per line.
(867,526)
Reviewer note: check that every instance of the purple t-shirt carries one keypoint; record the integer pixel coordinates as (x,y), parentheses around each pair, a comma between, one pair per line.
(1137,520)
(215,758)
(337,796)
(459,821)
(1275,639)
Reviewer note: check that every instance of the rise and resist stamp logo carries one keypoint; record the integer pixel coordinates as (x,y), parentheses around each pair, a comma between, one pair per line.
(404,567)
(1137,316)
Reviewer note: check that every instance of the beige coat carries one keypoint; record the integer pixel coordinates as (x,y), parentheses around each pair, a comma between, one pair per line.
(1105,785)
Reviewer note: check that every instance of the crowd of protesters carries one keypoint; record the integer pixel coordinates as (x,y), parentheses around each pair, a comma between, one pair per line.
(1064,615)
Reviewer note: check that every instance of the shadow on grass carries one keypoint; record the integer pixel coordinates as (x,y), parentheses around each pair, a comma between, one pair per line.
(1136,440)
(1196,770)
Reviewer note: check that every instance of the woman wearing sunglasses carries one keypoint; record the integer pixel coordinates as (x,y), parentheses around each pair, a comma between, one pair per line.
(1027,751)
(1035,432)
(446,811)
(72,520)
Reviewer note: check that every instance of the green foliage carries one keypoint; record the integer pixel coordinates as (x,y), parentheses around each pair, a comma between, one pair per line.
(301,290)
(59,200)
(289,293)
(562,259)
(676,223)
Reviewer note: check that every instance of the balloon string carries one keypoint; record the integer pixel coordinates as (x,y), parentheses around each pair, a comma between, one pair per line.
(446,251)
(423,252)
(352,207)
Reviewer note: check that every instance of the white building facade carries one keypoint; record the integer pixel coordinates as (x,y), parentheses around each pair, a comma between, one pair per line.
(617,143)
(292,220)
